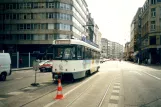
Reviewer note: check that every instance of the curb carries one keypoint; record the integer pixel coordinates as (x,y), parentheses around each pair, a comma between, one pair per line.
(20,69)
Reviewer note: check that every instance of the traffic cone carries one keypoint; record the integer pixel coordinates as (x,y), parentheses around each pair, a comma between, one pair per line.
(59,91)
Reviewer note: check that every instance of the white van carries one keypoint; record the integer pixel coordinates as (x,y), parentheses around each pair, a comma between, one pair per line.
(5,66)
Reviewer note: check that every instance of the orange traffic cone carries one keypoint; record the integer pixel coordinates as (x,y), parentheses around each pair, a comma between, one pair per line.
(59,91)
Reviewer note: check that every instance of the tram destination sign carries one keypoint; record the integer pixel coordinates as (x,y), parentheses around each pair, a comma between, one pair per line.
(62,42)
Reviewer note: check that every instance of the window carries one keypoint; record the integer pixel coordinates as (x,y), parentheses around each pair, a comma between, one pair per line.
(28,26)
(153,1)
(46,37)
(79,52)
(153,12)
(35,37)
(152,25)
(51,5)
(43,26)
(7,27)
(10,6)
(1,27)
(160,40)
(14,16)
(50,26)
(41,37)
(51,37)
(7,16)
(35,5)
(1,16)
(152,40)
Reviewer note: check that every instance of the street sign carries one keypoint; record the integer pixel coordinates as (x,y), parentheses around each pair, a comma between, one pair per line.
(35,65)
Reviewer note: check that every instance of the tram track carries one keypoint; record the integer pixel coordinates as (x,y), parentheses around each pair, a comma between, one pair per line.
(85,90)
(105,94)
(45,94)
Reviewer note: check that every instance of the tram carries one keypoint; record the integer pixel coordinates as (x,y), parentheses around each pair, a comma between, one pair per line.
(74,59)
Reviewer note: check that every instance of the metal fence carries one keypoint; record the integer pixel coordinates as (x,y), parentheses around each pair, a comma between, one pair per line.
(20,60)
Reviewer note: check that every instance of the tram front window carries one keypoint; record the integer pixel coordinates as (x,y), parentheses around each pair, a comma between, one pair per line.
(65,53)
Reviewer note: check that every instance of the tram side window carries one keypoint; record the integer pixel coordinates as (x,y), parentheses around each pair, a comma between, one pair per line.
(79,52)
(89,54)
(92,54)
(86,53)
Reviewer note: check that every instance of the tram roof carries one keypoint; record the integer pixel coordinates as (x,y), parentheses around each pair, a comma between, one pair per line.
(74,41)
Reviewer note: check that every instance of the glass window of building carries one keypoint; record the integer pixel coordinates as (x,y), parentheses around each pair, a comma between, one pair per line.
(41,37)
(35,37)
(153,1)
(50,26)
(152,40)
(152,25)
(51,5)
(153,12)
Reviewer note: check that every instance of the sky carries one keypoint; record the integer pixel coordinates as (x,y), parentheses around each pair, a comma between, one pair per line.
(114,18)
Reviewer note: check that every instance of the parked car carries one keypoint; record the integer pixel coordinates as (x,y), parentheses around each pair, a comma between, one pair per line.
(5,66)
(46,66)
(102,60)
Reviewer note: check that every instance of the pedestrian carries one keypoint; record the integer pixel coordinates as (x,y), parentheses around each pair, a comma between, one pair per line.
(20,62)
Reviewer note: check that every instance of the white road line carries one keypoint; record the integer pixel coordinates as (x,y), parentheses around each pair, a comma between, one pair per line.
(152,75)
(2,99)
(116,87)
(116,91)
(136,72)
(117,84)
(15,93)
(19,78)
(51,103)
(114,97)
(112,105)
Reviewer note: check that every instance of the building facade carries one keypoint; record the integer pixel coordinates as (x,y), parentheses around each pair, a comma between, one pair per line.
(150,40)
(117,50)
(127,51)
(111,49)
(135,35)
(35,23)
(104,47)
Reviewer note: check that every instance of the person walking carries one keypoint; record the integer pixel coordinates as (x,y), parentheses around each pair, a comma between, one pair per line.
(20,62)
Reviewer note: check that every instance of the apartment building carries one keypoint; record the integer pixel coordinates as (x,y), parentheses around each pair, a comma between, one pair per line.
(111,49)
(150,40)
(117,50)
(104,47)
(32,25)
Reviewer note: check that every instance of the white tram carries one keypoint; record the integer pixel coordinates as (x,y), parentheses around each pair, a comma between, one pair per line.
(74,59)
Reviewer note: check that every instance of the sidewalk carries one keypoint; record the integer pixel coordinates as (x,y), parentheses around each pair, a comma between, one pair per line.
(19,69)
(155,66)
(152,66)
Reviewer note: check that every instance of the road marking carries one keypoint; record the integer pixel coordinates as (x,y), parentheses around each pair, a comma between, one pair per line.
(112,105)
(15,93)
(136,72)
(29,88)
(114,97)
(51,103)
(2,99)
(118,87)
(152,75)
(115,91)
(117,84)
(19,78)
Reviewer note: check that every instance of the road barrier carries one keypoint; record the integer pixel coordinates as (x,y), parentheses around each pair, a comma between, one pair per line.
(59,91)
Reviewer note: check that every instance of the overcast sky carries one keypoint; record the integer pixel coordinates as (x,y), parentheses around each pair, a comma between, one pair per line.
(114,18)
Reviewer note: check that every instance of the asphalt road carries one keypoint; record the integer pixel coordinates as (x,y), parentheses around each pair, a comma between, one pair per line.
(117,84)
